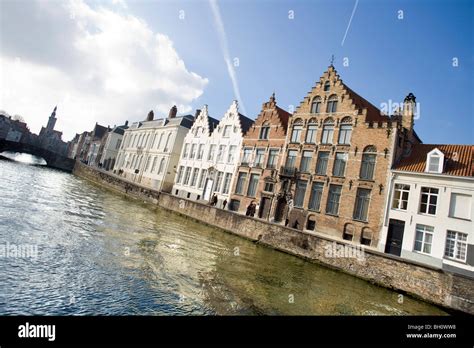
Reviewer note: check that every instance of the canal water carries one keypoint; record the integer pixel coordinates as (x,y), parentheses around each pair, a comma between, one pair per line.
(98,253)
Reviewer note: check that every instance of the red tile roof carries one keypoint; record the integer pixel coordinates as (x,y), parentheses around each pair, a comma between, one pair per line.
(458,159)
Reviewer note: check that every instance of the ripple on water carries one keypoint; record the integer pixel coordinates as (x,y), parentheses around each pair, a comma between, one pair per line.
(102,254)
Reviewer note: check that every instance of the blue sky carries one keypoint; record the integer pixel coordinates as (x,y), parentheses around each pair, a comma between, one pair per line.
(388,57)
(109,78)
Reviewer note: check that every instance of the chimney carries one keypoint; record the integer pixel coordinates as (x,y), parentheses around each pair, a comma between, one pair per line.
(150,116)
(198,112)
(126,122)
(173,112)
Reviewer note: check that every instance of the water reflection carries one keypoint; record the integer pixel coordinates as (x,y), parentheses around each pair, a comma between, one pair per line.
(100,253)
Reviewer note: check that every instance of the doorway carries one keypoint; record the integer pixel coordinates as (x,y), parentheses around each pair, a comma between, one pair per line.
(264,208)
(395,237)
(280,209)
(207,189)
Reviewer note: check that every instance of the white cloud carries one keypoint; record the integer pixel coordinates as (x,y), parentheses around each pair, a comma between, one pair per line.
(94,63)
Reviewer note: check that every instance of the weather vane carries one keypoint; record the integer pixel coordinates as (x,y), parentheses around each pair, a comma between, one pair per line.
(332,59)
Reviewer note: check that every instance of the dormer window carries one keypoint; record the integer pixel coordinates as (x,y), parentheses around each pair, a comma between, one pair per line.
(434,161)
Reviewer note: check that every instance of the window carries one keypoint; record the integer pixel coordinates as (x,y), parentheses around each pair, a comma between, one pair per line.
(311,134)
(322,162)
(159,142)
(259,158)
(423,238)
(429,199)
(340,164)
(296,133)
(252,190)
(200,151)
(367,168)
(316,105)
(198,131)
(246,156)
(227,130)
(345,131)
(234,205)
(117,145)
(460,206)
(202,180)
(361,208)
(332,104)
(217,187)
(434,161)
(268,187)
(348,233)
(306,161)
(332,206)
(227,178)
(239,189)
(187,175)
(300,192)
(316,194)
(366,236)
(456,245)
(148,163)
(193,151)
(272,158)
(154,164)
(210,155)
(167,142)
(291,159)
(162,166)
(328,131)
(194,177)
(220,153)
(400,196)
(327,85)
(231,154)
(311,223)
(264,132)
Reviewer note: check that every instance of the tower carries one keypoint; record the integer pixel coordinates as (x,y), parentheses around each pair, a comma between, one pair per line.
(52,120)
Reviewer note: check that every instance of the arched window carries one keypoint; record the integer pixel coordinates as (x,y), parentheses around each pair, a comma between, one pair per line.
(327,86)
(316,105)
(162,166)
(311,223)
(332,104)
(311,131)
(296,131)
(167,142)
(345,131)
(366,236)
(348,233)
(264,131)
(328,131)
(369,157)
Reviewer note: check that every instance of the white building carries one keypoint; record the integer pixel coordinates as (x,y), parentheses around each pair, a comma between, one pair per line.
(210,156)
(430,211)
(112,146)
(150,150)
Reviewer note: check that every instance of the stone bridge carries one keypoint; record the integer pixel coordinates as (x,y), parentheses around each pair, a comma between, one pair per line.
(53,160)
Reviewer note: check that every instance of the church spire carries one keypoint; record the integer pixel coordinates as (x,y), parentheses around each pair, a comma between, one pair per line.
(52,119)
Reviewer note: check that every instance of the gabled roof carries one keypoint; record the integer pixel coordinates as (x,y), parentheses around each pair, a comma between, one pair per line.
(458,159)
(245,123)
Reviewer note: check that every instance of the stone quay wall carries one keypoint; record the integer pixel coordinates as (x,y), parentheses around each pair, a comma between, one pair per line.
(432,285)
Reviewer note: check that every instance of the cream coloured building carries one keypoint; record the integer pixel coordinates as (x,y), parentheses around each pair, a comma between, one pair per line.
(210,155)
(150,150)
(430,210)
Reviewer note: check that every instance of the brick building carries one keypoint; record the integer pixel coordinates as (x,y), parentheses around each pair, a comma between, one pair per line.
(262,151)
(338,155)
